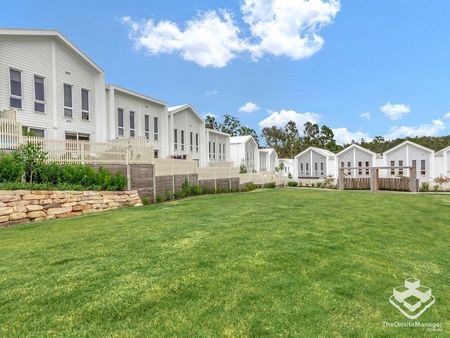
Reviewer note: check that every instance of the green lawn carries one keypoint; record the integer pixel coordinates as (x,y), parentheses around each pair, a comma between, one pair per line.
(280,262)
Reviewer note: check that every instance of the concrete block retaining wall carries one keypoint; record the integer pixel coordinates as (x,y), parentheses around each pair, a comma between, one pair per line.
(21,206)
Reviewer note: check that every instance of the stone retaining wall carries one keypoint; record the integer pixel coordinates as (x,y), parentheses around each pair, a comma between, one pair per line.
(21,206)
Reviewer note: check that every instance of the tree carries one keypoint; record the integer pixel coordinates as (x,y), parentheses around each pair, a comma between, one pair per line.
(211,123)
(230,125)
(326,139)
(244,131)
(293,141)
(30,156)
(311,135)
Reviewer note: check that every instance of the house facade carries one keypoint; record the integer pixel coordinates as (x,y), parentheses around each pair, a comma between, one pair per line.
(133,115)
(356,156)
(55,88)
(218,147)
(314,163)
(244,151)
(410,154)
(268,160)
(186,134)
(288,166)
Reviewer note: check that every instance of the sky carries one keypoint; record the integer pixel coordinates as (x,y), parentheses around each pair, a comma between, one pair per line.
(363,68)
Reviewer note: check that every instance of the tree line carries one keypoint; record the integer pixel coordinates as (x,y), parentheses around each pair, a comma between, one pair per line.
(288,141)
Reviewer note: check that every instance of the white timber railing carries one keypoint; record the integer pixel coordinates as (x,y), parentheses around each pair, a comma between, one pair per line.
(169,167)
(215,173)
(262,178)
(10,133)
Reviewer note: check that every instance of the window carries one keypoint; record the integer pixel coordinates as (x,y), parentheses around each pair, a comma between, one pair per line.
(223,151)
(220,151)
(155,154)
(77,136)
(392,169)
(39,94)
(349,171)
(182,140)
(29,131)
(367,168)
(414,163)
(301,168)
(147,126)
(196,142)
(132,127)
(15,83)
(422,167)
(191,141)
(68,112)
(316,168)
(120,121)
(214,150)
(155,128)
(322,168)
(307,168)
(400,164)
(360,166)
(85,104)
(175,138)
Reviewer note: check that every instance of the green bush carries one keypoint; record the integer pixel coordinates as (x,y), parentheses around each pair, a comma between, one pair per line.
(10,170)
(158,199)
(168,196)
(249,187)
(292,184)
(269,185)
(425,186)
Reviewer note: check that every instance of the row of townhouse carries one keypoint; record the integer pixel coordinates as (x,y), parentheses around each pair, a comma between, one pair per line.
(59,92)
(315,163)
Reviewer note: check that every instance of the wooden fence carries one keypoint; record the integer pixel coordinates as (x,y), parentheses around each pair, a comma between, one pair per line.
(395,184)
(357,183)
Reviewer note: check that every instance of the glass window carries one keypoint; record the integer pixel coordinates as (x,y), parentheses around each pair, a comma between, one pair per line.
(360,170)
(36,132)
(400,164)
(196,142)
(84,104)
(175,138)
(15,80)
(39,94)
(214,150)
(423,170)
(68,101)
(155,128)
(392,169)
(155,154)
(367,166)
(120,121)
(147,126)
(182,140)
(132,129)
(191,140)
(322,168)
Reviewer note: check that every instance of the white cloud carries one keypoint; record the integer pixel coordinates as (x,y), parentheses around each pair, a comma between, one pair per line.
(432,129)
(344,136)
(249,107)
(447,116)
(211,92)
(213,39)
(366,115)
(281,118)
(395,111)
(210,39)
(287,27)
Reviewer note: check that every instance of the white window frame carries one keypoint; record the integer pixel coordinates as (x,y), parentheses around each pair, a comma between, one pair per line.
(155,128)
(29,129)
(423,167)
(400,164)
(147,127)
(88,112)
(64,103)
(34,94)
(182,139)
(121,128)
(191,141)
(175,138)
(132,130)
(196,142)
(21,87)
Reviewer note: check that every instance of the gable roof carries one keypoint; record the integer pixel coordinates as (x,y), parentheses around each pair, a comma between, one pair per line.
(411,144)
(217,132)
(357,147)
(177,109)
(51,33)
(242,139)
(132,93)
(268,150)
(320,151)
(443,150)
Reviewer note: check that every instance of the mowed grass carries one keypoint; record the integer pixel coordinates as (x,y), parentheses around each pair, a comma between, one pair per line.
(280,262)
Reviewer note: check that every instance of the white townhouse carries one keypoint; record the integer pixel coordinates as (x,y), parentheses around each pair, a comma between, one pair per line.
(288,166)
(244,151)
(356,156)
(57,90)
(410,154)
(315,163)
(442,162)
(186,134)
(133,115)
(218,148)
(268,160)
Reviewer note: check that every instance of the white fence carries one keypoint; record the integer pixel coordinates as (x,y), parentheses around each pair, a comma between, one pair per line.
(262,178)
(215,173)
(169,167)
(76,152)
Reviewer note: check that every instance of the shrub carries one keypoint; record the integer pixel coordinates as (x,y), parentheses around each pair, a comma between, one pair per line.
(145,200)
(30,156)
(441,181)
(269,185)
(319,184)
(10,170)
(425,186)
(158,199)
(300,184)
(242,168)
(249,187)
(168,196)
(292,184)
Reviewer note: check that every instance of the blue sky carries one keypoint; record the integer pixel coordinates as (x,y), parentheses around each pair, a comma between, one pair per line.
(364,68)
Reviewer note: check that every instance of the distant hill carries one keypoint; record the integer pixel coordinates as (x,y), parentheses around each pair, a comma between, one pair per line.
(380,145)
